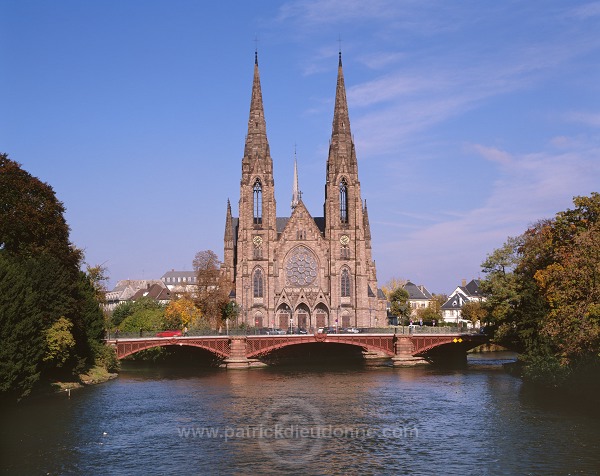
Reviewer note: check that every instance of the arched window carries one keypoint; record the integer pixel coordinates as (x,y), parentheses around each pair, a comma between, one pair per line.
(343,201)
(345,283)
(257,282)
(257,202)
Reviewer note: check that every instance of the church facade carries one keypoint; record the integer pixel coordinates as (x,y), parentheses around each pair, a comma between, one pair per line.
(302,271)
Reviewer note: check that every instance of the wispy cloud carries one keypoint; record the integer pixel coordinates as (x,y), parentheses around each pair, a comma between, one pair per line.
(528,187)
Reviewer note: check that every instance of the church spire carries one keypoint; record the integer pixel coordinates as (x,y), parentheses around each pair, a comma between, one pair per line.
(256,140)
(341,119)
(296,193)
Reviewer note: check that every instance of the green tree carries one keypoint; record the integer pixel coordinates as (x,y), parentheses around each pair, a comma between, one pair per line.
(399,304)
(40,284)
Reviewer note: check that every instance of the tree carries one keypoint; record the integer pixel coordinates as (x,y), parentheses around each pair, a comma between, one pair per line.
(393,284)
(42,289)
(145,313)
(182,312)
(473,311)
(399,304)
(213,288)
(543,291)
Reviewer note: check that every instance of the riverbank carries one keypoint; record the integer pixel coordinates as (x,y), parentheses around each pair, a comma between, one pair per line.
(93,376)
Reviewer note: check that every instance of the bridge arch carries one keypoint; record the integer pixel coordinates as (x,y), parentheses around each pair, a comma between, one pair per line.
(217,346)
(258,347)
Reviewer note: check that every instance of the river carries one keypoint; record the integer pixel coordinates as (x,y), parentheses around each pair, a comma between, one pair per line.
(358,419)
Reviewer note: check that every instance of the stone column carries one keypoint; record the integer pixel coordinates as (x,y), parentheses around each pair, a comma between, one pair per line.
(404,354)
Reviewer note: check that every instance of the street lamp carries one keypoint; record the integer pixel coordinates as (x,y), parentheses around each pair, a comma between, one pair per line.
(246,287)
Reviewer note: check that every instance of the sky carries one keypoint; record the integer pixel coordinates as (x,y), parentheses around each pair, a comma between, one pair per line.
(472,120)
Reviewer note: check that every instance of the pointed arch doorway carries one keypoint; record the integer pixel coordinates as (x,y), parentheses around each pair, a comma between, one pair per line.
(321,316)
(303,316)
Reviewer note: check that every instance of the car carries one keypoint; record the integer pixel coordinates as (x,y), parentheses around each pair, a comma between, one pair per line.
(175,333)
(352,330)
(275,331)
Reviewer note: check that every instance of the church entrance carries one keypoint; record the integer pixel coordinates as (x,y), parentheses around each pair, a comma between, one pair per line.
(321,317)
(345,321)
(283,317)
(303,317)
(258,320)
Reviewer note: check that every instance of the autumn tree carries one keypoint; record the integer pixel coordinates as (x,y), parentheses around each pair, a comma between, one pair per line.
(473,311)
(543,290)
(181,313)
(393,284)
(212,289)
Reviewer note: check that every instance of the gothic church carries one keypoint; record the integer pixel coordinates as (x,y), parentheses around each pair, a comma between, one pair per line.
(302,271)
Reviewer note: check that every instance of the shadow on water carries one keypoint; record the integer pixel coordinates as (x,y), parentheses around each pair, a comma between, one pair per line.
(316,355)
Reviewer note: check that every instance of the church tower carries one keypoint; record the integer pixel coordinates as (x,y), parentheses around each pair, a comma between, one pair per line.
(299,270)
(353,281)
(257,210)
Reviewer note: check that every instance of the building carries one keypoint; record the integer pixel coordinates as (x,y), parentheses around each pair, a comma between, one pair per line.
(125,290)
(451,309)
(156,292)
(180,281)
(302,270)
(418,297)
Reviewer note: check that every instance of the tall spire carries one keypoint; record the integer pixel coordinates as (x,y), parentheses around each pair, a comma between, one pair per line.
(256,140)
(296,194)
(341,118)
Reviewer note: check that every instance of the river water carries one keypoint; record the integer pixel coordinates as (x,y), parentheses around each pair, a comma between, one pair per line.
(358,419)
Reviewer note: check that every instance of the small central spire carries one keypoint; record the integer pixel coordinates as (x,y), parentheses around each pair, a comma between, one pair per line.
(296,193)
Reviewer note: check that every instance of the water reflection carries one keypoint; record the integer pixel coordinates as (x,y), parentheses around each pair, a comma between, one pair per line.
(375,420)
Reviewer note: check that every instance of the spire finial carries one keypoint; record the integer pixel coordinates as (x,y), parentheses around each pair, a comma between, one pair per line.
(256,50)
(340,49)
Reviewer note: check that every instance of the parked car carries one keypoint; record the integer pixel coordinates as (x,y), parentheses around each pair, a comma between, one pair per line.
(298,330)
(168,334)
(275,331)
(352,330)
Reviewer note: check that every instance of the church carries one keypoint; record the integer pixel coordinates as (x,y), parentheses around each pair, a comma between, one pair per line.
(302,271)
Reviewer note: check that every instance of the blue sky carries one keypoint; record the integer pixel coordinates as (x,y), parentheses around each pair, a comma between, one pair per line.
(471,119)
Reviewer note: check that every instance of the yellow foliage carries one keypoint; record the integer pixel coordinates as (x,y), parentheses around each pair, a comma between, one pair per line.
(181,312)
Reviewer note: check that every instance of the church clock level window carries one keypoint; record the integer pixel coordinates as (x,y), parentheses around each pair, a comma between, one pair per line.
(258,283)
(257,193)
(345,283)
(343,201)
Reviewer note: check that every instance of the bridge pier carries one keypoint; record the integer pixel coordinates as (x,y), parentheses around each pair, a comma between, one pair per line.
(404,354)
(237,358)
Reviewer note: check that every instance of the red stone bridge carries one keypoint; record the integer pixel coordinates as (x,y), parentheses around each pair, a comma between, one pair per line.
(252,350)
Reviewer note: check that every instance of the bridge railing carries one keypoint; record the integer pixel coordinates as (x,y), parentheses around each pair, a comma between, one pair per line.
(407,330)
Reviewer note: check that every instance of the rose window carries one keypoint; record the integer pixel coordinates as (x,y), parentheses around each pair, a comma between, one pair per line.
(301,267)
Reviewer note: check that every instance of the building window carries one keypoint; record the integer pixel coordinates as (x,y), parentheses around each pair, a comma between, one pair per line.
(345,252)
(258,283)
(257,193)
(301,235)
(343,201)
(258,253)
(345,283)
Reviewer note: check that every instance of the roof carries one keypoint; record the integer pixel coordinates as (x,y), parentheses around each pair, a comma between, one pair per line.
(156,292)
(416,292)
(472,289)
(178,274)
(455,302)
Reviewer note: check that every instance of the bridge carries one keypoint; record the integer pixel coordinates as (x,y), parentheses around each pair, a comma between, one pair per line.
(254,350)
